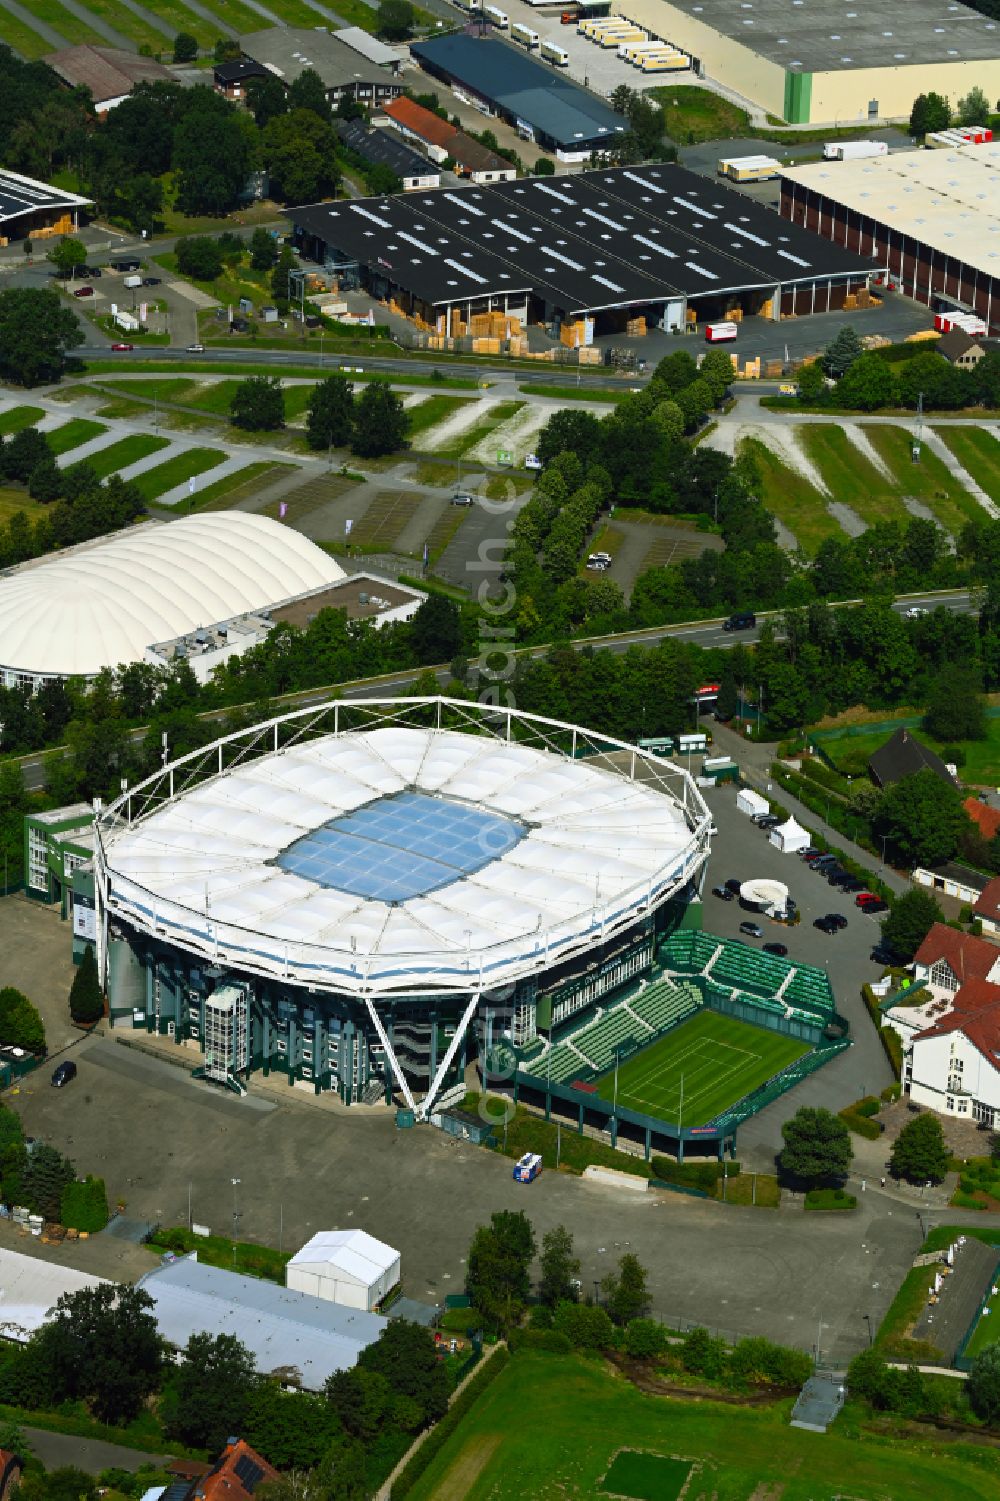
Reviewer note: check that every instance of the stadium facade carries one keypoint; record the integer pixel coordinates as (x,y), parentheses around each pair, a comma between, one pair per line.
(368,896)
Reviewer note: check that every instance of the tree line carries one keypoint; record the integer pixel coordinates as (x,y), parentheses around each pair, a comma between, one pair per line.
(848,376)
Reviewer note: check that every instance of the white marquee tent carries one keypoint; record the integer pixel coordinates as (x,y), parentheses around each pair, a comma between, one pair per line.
(349,1267)
(790,837)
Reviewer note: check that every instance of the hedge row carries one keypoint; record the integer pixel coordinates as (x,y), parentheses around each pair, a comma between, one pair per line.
(856,1118)
(889,1038)
(817,771)
(704,1175)
(441,1433)
(800,788)
(830,1199)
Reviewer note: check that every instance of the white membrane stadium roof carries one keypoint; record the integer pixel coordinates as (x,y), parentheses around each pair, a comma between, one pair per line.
(104,606)
(596,850)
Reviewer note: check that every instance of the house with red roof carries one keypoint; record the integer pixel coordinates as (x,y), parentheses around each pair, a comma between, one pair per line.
(987,905)
(952,1040)
(985,818)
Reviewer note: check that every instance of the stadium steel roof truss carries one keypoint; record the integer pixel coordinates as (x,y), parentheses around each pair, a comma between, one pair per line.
(597,240)
(192,855)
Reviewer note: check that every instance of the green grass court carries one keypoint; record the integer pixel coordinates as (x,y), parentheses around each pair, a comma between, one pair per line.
(559,1428)
(711,1060)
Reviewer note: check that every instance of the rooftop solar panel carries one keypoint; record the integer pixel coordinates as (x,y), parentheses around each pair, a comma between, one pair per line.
(401,846)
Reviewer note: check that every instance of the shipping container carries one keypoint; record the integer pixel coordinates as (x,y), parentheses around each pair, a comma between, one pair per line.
(719,333)
(852,151)
(524,35)
(664,62)
(552,53)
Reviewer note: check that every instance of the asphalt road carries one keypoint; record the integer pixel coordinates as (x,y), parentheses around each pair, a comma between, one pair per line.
(707,634)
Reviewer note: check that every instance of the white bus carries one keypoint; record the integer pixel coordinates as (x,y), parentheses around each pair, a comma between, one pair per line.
(554,54)
(524,35)
(497,17)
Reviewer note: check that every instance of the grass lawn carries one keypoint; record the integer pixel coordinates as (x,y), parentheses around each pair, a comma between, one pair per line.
(693,114)
(850,476)
(175,471)
(127,451)
(167,388)
(13,420)
(928,481)
(978,452)
(245,366)
(982,757)
(227,492)
(24,39)
(554,1426)
(64,22)
(574,393)
(433,410)
(132,26)
(13,500)
(700,1068)
(477,431)
(78,430)
(986,1332)
(791,498)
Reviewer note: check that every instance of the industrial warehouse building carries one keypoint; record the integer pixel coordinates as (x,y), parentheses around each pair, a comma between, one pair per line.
(361,895)
(539,103)
(658,240)
(287,51)
(200,590)
(931,217)
(35,210)
(806,62)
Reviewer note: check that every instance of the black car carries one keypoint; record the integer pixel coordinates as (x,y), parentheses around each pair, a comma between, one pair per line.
(63,1073)
(752,929)
(871,907)
(733,885)
(837,919)
(769,821)
(722,893)
(151,281)
(826,926)
(852,884)
(780,949)
(743,620)
(884,953)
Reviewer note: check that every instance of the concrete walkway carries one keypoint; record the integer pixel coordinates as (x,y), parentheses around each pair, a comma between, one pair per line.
(48,33)
(153,460)
(219,471)
(156,22)
(96,23)
(959,471)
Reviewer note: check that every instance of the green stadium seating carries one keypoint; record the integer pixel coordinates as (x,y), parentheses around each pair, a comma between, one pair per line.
(688,950)
(743,968)
(810,990)
(665,1002)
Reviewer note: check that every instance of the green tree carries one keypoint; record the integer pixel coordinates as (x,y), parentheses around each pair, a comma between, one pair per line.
(86,1003)
(922,818)
(298,151)
(46,1173)
(930,112)
(983,1385)
(199,256)
(436,630)
(380,421)
(870,1377)
(811,383)
(67,255)
(544,167)
(586,1326)
(703,1355)
(497,1271)
(910,919)
(266,99)
(406,1355)
(307,92)
(185,47)
(559,1282)
(84,1205)
(919,1152)
(258,405)
(956,709)
(330,413)
(867,384)
(395,20)
(817,1146)
(380,180)
(208,1394)
(288,1428)
(67,1483)
(717,370)
(626,1294)
(20,1023)
(362,1400)
(102,1345)
(263,250)
(21,456)
(839,356)
(36,334)
(281,286)
(211,154)
(645,1339)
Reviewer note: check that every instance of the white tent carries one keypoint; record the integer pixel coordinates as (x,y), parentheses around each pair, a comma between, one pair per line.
(752,803)
(790,837)
(349,1267)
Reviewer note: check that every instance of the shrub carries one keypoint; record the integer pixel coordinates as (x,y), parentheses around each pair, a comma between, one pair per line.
(584,1325)
(759,1362)
(540,1339)
(829,1198)
(20,1024)
(85,1205)
(868,1106)
(645,1339)
(86,1003)
(703,1355)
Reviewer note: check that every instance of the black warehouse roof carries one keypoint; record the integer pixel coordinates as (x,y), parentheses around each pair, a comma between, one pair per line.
(609,238)
(385,147)
(23,195)
(525,88)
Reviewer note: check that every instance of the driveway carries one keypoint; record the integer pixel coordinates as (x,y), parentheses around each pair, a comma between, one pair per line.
(57,1450)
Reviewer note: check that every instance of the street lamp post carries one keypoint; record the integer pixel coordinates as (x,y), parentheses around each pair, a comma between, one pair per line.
(868,1320)
(236,1217)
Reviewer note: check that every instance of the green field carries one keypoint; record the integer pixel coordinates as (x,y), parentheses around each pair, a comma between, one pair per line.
(986,1332)
(850,753)
(694,114)
(123,453)
(13,420)
(700,1069)
(850,476)
(791,498)
(927,481)
(71,434)
(13,500)
(432,410)
(552,1428)
(477,431)
(175,471)
(978,452)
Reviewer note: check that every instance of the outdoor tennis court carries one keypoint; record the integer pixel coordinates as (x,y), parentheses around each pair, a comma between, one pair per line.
(709,1062)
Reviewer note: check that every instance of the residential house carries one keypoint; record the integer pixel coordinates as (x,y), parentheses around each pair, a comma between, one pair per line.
(903,755)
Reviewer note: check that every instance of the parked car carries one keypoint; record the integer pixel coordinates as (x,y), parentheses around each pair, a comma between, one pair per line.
(823,863)
(63,1073)
(733,885)
(915,612)
(462,500)
(95,272)
(151,281)
(769,821)
(83,292)
(837,918)
(532,461)
(810,854)
(752,929)
(780,949)
(865,898)
(122,348)
(826,926)
(722,893)
(870,909)
(743,620)
(851,885)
